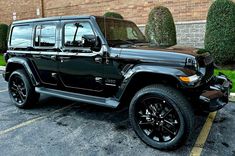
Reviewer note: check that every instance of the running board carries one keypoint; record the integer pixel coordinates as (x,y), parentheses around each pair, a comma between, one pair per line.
(106,102)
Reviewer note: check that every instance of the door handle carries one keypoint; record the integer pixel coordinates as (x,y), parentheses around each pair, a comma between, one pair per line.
(98,59)
(53,57)
(37,56)
(64,58)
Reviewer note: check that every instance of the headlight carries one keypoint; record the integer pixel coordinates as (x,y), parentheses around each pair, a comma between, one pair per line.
(189,79)
(191,63)
(196,65)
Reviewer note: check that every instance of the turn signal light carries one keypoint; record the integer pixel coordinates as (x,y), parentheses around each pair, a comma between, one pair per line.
(188,79)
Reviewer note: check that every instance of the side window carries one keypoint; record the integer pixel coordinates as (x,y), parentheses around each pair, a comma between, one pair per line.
(45,35)
(73,33)
(21,36)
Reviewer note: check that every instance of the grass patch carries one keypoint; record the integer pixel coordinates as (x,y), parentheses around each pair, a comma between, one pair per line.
(230,74)
(2,61)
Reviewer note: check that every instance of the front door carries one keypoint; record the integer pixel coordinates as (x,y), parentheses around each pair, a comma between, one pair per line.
(80,68)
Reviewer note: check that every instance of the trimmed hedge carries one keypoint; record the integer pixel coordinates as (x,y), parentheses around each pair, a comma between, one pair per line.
(113,15)
(160,29)
(220,31)
(3,37)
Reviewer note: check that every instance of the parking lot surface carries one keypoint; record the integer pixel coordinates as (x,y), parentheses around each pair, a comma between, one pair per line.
(61,127)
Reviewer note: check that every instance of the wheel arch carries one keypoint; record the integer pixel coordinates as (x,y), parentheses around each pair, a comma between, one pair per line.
(142,76)
(15,63)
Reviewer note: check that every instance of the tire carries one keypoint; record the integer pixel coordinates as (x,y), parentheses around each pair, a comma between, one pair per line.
(161,117)
(21,90)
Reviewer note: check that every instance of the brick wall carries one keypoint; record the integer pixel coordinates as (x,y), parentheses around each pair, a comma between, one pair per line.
(24,9)
(135,10)
(186,13)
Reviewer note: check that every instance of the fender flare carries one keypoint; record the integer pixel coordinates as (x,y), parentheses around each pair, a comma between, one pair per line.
(26,64)
(152,69)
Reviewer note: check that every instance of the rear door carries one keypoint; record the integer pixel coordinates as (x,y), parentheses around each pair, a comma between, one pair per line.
(45,51)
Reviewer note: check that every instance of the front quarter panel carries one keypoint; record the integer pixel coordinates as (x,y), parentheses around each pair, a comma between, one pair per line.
(168,71)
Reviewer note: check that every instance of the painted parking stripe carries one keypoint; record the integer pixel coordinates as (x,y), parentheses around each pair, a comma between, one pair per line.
(31,121)
(1,91)
(201,139)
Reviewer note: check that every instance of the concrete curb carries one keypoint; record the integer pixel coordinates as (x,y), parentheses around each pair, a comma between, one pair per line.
(231,98)
(2,68)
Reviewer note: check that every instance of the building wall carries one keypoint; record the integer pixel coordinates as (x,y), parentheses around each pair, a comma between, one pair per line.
(135,10)
(191,33)
(189,15)
(24,9)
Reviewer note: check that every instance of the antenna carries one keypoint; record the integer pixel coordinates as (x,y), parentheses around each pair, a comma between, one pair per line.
(105,31)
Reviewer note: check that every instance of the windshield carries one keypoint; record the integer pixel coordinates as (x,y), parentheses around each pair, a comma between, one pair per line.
(120,31)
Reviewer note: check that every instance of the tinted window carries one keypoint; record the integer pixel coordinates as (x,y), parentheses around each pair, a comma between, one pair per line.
(73,33)
(21,36)
(45,35)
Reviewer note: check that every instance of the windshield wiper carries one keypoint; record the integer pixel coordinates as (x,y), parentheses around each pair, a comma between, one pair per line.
(120,42)
(126,41)
(137,41)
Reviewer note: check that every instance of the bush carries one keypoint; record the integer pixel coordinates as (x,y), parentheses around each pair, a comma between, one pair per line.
(113,15)
(220,31)
(3,37)
(160,28)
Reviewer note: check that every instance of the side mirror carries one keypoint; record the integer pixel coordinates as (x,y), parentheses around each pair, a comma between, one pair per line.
(6,57)
(91,41)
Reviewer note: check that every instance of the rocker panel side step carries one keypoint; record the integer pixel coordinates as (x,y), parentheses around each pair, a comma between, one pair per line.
(106,102)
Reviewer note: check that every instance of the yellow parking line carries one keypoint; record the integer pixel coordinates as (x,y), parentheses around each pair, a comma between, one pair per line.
(3,90)
(201,139)
(23,124)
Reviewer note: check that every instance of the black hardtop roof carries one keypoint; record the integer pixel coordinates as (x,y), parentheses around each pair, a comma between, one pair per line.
(51,19)
(60,18)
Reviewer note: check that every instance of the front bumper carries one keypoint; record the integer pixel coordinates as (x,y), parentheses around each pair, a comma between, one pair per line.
(216,96)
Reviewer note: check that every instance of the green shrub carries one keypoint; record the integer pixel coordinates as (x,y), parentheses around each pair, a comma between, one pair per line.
(202,51)
(3,37)
(113,15)
(220,31)
(160,28)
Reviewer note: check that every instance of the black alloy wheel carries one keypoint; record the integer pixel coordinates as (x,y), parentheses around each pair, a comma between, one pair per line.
(21,90)
(17,89)
(158,119)
(161,117)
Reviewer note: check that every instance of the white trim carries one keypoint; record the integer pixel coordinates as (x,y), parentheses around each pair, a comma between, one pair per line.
(191,22)
(141,25)
(90,53)
(183,22)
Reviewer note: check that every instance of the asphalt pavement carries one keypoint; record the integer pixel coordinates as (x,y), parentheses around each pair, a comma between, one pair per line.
(61,127)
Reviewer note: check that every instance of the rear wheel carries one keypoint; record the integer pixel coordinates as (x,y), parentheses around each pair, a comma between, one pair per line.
(22,92)
(161,117)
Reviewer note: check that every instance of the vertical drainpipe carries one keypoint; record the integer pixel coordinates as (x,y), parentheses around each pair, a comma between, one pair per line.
(42,7)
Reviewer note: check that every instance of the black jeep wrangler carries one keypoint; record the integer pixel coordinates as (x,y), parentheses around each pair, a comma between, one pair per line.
(108,62)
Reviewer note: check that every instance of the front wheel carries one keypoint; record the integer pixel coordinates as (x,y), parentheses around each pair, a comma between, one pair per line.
(21,90)
(161,117)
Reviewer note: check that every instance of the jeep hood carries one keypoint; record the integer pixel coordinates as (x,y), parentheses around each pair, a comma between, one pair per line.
(147,53)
